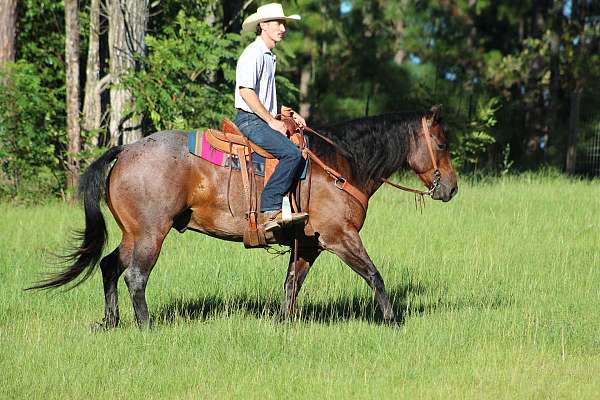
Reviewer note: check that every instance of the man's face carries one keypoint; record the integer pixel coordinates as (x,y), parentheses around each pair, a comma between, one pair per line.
(275,30)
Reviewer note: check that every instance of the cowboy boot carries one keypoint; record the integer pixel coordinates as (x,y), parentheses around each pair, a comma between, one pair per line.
(272,220)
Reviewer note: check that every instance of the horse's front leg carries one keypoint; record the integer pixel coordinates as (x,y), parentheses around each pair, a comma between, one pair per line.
(295,277)
(352,251)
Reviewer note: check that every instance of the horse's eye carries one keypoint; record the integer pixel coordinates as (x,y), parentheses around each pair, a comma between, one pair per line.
(443,146)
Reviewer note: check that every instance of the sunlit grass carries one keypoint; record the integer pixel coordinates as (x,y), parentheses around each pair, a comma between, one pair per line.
(497,292)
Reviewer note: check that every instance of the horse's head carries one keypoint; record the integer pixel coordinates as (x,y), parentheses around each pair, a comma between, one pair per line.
(429,153)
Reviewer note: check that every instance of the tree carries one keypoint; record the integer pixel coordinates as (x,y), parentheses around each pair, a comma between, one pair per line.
(177,87)
(72,58)
(8,19)
(94,86)
(127,28)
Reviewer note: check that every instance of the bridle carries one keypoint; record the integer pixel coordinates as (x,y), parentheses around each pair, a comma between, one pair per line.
(436,174)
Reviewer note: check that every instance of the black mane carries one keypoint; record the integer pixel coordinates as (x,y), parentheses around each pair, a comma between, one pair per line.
(376,146)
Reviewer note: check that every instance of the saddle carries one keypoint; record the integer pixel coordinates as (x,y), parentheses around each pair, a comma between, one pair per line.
(230,140)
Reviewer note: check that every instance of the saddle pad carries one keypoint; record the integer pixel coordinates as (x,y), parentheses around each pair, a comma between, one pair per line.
(199,146)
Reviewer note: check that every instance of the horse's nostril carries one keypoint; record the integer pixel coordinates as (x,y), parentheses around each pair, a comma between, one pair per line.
(453,191)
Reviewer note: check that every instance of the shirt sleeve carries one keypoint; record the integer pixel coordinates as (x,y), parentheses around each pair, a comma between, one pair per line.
(248,70)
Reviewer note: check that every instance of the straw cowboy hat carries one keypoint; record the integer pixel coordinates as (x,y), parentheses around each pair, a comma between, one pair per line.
(264,13)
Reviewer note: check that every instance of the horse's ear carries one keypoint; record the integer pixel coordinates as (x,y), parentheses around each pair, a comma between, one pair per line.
(436,113)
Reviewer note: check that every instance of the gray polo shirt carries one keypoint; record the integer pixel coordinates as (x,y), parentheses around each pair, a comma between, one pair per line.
(256,70)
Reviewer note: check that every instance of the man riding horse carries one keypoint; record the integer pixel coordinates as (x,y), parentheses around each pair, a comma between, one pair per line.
(256,102)
(156,185)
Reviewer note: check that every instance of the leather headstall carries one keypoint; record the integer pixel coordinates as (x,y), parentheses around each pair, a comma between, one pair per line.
(436,174)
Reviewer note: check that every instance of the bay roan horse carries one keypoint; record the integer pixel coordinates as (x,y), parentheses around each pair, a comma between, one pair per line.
(156,184)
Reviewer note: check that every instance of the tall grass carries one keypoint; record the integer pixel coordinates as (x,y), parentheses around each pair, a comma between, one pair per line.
(497,292)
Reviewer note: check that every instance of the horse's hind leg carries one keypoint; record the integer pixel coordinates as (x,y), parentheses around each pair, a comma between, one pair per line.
(144,256)
(112,268)
(295,277)
(351,250)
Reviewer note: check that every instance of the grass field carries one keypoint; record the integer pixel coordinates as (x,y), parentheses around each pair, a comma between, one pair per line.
(498,293)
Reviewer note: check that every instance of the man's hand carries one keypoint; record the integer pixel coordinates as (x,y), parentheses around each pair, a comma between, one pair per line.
(278,125)
(298,119)
(288,112)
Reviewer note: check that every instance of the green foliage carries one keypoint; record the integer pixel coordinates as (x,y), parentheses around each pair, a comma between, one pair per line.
(41,40)
(347,57)
(32,109)
(29,136)
(188,77)
(473,142)
(356,57)
(507,163)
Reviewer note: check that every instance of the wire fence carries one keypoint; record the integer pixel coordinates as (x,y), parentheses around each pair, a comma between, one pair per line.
(591,162)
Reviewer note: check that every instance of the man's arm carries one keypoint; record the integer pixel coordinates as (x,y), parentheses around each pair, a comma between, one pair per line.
(252,100)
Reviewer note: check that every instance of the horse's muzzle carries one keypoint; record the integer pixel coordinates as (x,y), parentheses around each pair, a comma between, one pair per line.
(445,192)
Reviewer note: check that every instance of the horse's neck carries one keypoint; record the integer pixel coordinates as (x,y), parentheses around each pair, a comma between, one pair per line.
(375,182)
(345,166)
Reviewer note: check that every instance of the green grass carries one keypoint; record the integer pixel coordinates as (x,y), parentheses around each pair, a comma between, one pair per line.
(498,291)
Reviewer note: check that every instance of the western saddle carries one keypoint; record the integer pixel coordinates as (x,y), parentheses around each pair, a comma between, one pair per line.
(230,140)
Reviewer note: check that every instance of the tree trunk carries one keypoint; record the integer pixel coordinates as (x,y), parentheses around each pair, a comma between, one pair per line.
(304,100)
(72,58)
(212,20)
(232,10)
(127,28)
(8,20)
(573,127)
(211,15)
(540,9)
(400,52)
(555,43)
(92,106)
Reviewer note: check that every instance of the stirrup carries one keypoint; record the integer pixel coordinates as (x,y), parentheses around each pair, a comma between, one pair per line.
(278,222)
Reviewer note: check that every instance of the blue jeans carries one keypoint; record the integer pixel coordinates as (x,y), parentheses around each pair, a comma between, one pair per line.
(290,158)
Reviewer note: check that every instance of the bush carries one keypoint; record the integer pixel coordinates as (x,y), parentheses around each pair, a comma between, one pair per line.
(30,140)
(473,142)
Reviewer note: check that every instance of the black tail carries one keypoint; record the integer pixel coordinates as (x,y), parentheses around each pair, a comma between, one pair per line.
(91,190)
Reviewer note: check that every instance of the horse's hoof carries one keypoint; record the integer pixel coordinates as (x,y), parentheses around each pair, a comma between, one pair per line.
(389,318)
(392,321)
(284,315)
(102,326)
(98,327)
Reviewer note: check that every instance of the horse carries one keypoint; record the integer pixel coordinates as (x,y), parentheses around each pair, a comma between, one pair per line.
(155,185)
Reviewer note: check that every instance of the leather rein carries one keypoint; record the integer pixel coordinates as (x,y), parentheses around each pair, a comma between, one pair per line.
(342,183)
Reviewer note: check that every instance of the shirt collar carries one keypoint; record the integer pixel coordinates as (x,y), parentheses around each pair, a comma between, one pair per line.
(262,45)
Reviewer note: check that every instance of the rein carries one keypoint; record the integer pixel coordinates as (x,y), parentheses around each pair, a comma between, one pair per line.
(341,183)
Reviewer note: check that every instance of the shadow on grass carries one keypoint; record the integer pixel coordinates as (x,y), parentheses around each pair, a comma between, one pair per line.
(349,308)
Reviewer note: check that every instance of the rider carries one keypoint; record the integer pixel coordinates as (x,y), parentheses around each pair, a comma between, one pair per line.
(256,102)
